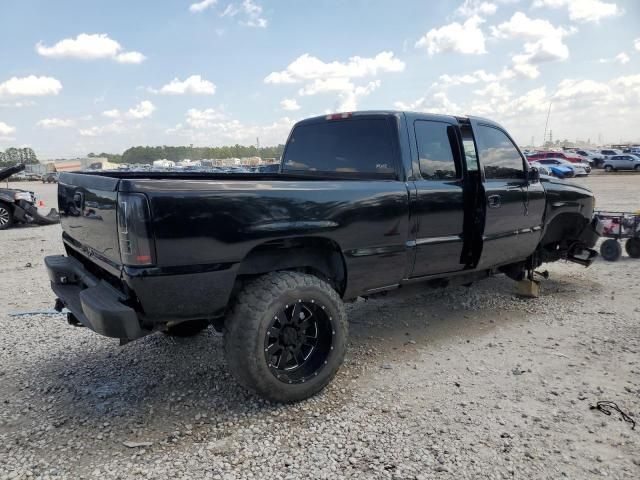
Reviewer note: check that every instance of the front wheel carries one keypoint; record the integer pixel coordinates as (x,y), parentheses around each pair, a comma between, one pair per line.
(6,217)
(286,336)
(637,168)
(608,168)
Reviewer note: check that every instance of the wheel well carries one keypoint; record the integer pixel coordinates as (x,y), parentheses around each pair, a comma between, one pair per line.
(318,256)
(566,226)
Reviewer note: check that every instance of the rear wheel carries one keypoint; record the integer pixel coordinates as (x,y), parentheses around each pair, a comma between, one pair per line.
(637,168)
(611,250)
(6,217)
(286,336)
(187,329)
(608,168)
(632,246)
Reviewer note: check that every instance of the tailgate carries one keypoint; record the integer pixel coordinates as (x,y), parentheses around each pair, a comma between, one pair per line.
(88,205)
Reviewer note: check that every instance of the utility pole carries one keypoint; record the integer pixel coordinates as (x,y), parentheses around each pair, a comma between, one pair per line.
(546,124)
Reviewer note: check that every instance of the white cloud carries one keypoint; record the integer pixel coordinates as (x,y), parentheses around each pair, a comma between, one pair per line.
(204,118)
(622,58)
(115,113)
(90,47)
(307,67)
(249,12)
(477,76)
(466,38)
(130,57)
(213,127)
(319,85)
(30,86)
(545,42)
(583,10)
(98,131)
(50,123)
(142,110)
(337,77)
(636,44)
(202,6)
(194,84)
(6,130)
(472,8)
(290,104)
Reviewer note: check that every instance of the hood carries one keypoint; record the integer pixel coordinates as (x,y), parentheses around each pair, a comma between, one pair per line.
(8,171)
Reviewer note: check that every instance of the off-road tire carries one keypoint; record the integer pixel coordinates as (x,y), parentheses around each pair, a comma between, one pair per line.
(246,329)
(611,250)
(6,216)
(187,329)
(632,246)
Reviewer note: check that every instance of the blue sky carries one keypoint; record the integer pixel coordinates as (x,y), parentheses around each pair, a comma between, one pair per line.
(78,76)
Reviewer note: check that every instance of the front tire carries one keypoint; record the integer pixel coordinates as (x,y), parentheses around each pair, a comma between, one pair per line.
(286,336)
(6,216)
(611,250)
(608,168)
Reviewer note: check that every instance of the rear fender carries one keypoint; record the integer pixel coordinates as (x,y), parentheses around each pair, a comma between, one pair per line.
(317,255)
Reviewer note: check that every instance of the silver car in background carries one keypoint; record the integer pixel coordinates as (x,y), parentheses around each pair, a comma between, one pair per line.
(626,161)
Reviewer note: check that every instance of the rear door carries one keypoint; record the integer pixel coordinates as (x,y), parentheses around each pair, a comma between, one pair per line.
(514,207)
(439,209)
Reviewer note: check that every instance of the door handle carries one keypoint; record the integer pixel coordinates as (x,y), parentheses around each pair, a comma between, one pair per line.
(494,201)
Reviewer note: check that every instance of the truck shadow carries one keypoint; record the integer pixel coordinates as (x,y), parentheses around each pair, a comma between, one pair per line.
(158,385)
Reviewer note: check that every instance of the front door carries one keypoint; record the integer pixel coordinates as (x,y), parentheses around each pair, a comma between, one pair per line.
(514,207)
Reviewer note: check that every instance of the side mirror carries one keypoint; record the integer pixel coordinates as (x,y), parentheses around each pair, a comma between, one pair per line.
(533,175)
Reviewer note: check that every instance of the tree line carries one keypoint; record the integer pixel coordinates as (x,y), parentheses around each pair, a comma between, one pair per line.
(11,156)
(176,154)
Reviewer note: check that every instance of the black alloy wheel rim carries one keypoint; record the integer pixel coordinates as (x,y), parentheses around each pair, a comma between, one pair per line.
(4,216)
(298,341)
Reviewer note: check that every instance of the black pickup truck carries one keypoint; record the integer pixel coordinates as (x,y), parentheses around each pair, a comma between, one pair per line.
(363,203)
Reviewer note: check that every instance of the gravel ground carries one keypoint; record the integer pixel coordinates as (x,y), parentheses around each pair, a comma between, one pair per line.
(452,384)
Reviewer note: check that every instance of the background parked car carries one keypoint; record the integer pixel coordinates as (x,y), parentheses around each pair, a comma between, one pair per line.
(580,169)
(558,171)
(622,162)
(50,178)
(565,156)
(594,158)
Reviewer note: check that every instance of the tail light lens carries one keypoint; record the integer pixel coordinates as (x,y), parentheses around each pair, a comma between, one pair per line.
(134,233)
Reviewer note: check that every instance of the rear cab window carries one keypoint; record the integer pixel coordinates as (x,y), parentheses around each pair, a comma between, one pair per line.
(353,147)
(434,142)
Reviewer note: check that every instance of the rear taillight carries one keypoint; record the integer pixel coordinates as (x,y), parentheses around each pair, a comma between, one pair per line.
(134,232)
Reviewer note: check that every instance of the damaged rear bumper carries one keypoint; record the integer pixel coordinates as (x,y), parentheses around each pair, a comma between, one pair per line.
(26,212)
(95,303)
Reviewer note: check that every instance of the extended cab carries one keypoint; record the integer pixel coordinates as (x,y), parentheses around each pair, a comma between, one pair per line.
(363,203)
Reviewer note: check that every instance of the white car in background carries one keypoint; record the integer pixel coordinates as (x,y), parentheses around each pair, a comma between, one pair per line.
(626,161)
(580,169)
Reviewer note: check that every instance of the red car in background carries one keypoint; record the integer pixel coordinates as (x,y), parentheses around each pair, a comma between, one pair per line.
(565,156)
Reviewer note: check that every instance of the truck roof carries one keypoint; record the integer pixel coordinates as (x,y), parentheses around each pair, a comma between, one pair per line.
(395,113)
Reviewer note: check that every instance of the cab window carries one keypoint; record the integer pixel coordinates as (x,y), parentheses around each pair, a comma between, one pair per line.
(498,155)
(353,146)
(434,140)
